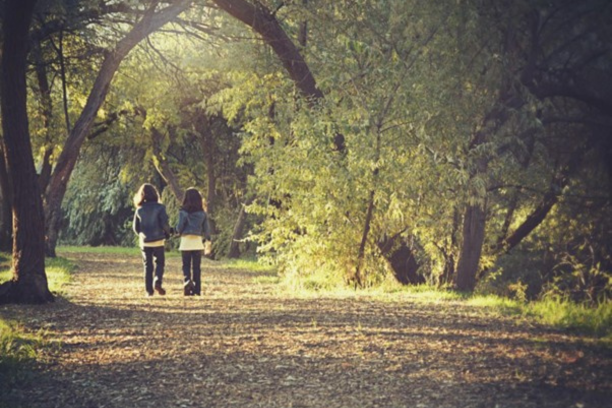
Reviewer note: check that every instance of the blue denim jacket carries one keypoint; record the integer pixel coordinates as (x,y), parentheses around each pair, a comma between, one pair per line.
(195,223)
(151,222)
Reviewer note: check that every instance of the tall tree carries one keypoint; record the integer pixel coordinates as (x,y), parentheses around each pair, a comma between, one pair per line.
(29,283)
(150,21)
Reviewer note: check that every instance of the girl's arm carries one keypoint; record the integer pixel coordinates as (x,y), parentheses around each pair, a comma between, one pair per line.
(136,223)
(206,227)
(181,222)
(163,218)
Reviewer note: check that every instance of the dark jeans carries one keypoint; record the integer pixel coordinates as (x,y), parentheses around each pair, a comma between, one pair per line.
(192,261)
(150,254)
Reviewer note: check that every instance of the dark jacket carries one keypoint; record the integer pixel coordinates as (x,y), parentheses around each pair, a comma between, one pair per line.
(195,223)
(151,222)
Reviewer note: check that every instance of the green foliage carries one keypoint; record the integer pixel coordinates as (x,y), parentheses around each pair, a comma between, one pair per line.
(559,312)
(98,204)
(388,96)
(59,273)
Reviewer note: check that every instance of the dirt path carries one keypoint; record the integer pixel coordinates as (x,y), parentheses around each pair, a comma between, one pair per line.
(242,344)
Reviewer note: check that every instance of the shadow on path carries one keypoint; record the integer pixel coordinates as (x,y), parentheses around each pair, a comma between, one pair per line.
(245,344)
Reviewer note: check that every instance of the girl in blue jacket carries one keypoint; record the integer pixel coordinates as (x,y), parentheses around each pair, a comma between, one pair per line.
(151,225)
(194,229)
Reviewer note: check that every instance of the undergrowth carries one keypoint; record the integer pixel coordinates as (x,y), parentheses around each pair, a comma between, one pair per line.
(594,321)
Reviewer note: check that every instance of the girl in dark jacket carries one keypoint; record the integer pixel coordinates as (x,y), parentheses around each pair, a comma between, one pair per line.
(194,229)
(151,225)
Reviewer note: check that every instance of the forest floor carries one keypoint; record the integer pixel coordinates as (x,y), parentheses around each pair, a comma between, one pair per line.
(245,343)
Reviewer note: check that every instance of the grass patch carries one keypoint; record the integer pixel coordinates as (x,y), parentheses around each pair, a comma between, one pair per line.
(596,321)
(554,312)
(19,349)
(425,293)
(496,304)
(558,313)
(111,250)
(249,265)
(266,280)
(58,271)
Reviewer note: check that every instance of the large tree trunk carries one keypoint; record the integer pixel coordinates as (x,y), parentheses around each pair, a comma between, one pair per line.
(474,222)
(474,218)
(56,190)
(401,259)
(29,283)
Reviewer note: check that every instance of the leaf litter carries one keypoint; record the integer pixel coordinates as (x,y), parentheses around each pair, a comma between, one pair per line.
(247,344)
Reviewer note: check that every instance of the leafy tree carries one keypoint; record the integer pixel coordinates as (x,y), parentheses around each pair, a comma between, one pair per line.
(150,21)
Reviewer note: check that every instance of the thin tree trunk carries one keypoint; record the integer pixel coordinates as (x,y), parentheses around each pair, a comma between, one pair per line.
(509,217)
(364,238)
(46,113)
(474,222)
(58,184)
(6,212)
(163,167)
(551,197)
(29,283)
(448,272)
(234,245)
(303,31)
(60,52)
(264,23)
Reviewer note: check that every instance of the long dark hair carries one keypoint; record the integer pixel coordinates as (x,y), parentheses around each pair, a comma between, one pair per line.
(192,200)
(147,193)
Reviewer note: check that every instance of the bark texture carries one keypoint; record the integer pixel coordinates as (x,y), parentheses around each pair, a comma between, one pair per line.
(29,283)
(473,237)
